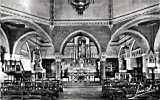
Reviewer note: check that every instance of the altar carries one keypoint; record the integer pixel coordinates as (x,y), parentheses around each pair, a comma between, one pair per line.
(82,72)
(82,65)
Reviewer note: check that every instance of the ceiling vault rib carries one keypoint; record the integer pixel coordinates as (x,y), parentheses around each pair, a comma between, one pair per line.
(38,43)
(121,42)
(4,9)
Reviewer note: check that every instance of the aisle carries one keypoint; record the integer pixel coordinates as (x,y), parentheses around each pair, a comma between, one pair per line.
(77,93)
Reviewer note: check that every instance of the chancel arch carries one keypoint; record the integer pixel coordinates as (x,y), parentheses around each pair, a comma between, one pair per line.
(81,33)
(80,55)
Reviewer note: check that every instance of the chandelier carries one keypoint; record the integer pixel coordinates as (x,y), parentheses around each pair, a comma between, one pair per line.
(80,5)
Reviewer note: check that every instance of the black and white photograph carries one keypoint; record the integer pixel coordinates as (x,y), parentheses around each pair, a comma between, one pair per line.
(79,49)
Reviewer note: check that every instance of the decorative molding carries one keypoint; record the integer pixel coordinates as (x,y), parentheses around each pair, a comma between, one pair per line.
(81,22)
(105,22)
(145,11)
(13,12)
(137,13)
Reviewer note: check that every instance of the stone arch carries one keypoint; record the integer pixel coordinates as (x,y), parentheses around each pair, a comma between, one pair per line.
(138,34)
(157,42)
(75,33)
(134,33)
(132,23)
(20,41)
(30,23)
(132,45)
(6,42)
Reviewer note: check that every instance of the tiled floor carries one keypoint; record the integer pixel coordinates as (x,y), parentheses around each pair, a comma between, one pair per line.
(77,93)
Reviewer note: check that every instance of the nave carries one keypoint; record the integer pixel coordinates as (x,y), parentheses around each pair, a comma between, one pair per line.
(93,49)
(82,93)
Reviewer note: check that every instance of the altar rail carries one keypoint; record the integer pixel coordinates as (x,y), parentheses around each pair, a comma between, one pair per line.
(81,84)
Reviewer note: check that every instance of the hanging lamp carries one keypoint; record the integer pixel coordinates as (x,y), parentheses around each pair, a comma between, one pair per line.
(110,14)
(51,12)
(80,5)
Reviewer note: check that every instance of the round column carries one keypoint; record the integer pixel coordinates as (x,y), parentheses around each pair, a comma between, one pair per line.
(58,67)
(103,67)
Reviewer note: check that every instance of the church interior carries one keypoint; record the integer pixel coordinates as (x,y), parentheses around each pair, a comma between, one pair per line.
(79,49)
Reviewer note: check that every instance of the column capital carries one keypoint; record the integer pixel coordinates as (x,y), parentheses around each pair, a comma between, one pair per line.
(58,57)
(103,56)
(58,60)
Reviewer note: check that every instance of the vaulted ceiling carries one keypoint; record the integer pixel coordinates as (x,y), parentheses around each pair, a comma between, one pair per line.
(97,10)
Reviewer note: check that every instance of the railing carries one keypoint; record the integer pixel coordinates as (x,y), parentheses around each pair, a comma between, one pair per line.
(81,84)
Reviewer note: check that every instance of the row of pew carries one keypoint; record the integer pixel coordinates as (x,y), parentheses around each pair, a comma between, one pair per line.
(124,90)
(31,90)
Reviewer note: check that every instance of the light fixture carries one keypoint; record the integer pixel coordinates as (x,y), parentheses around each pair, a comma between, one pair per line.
(110,13)
(80,5)
(51,20)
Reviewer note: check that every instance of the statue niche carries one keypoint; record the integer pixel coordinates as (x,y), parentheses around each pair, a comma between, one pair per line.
(82,47)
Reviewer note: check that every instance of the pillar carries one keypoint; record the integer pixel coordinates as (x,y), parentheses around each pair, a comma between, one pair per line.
(76,51)
(157,69)
(103,68)
(120,63)
(145,64)
(53,68)
(58,68)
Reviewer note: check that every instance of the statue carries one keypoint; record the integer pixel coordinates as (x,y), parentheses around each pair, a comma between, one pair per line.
(81,62)
(82,47)
(36,59)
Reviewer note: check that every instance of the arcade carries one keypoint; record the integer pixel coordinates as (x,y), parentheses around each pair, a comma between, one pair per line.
(79,49)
